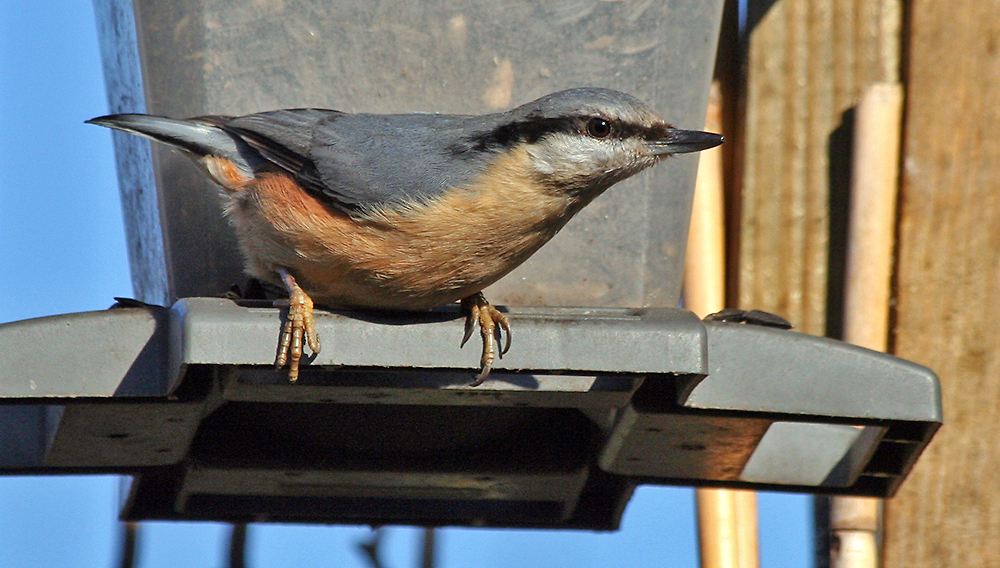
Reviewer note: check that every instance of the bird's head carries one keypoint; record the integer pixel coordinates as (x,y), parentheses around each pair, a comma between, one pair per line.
(585,140)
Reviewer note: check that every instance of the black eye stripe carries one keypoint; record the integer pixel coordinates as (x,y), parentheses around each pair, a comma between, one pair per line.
(533,129)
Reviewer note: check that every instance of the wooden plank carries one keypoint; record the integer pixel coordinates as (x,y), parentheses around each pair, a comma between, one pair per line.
(948,310)
(807,61)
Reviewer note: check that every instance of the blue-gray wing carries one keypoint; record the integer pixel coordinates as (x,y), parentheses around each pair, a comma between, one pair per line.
(362,162)
(283,137)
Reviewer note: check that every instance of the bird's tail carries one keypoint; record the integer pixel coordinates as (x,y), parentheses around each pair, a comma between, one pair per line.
(206,141)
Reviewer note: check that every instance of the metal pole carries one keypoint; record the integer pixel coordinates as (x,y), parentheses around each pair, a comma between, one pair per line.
(238,546)
(427,552)
(130,545)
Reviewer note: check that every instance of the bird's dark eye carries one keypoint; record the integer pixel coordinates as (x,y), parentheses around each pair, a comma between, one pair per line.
(598,128)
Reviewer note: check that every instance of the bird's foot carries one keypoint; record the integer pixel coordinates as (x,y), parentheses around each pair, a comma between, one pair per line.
(492,325)
(298,325)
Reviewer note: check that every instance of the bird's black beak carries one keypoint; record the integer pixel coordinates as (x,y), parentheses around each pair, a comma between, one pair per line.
(682,141)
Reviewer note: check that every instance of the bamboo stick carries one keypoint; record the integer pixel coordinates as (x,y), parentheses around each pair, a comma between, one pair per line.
(870,245)
(727,520)
(855,522)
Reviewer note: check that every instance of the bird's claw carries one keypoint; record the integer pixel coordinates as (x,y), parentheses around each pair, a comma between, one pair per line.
(492,325)
(299,324)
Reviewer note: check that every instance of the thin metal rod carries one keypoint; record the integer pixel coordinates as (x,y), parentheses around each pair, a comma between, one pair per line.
(427,550)
(130,545)
(238,546)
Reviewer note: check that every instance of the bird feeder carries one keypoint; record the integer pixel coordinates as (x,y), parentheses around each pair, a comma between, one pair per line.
(179,391)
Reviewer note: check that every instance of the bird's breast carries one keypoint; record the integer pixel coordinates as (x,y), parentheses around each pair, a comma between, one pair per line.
(416,256)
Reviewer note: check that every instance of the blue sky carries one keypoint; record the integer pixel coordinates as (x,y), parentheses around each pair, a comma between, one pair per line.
(62,249)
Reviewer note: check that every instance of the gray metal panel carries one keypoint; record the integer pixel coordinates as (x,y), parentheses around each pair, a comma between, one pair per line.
(528,486)
(408,493)
(667,445)
(125,352)
(753,368)
(433,387)
(574,340)
(230,57)
(118,352)
(802,453)
(123,435)
(26,433)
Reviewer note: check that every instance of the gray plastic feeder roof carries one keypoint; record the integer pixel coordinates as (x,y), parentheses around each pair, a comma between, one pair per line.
(382,427)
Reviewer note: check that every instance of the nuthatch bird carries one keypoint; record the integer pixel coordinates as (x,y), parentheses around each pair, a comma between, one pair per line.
(412,211)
